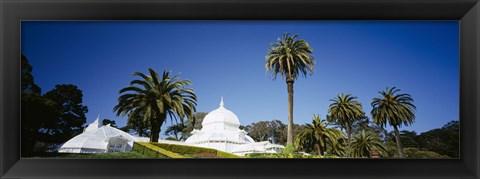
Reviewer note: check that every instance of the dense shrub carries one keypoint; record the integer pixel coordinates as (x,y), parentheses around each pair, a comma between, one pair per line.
(206,155)
(289,149)
(181,149)
(282,155)
(416,153)
(154,151)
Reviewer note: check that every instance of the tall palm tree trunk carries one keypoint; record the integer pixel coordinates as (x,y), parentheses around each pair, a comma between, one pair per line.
(324,152)
(319,150)
(399,143)
(154,131)
(290,111)
(349,136)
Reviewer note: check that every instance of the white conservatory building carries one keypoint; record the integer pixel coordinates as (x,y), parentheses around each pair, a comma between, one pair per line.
(98,138)
(220,130)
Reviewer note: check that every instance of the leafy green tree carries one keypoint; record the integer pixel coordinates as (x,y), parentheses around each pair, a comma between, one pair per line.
(152,98)
(364,143)
(259,131)
(278,131)
(184,129)
(345,110)
(409,139)
(181,131)
(444,141)
(28,84)
(38,116)
(273,131)
(177,130)
(51,118)
(290,57)
(366,125)
(196,122)
(68,100)
(137,126)
(394,109)
(338,149)
(33,108)
(318,135)
(111,122)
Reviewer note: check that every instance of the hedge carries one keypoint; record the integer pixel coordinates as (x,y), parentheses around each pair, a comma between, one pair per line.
(153,151)
(182,149)
(282,155)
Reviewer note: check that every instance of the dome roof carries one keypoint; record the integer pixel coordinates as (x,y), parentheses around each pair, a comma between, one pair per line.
(94,125)
(95,140)
(223,116)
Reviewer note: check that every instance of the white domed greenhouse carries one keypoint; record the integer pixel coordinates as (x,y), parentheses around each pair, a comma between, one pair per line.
(221,130)
(97,138)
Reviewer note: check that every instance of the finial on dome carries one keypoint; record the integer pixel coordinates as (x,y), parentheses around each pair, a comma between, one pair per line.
(99,124)
(221,102)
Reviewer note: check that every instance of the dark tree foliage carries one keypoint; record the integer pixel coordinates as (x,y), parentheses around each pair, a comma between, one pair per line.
(28,86)
(297,128)
(68,100)
(108,121)
(368,126)
(418,154)
(137,127)
(259,131)
(274,131)
(444,140)
(49,119)
(38,119)
(197,120)
(177,131)
(409,138)
(181,131)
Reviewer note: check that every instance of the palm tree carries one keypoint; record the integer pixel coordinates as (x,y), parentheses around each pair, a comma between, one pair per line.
(290,57)
(177,130)
(151,99)
(340,149)
(345,110)
(318,135)
(394,109)
(181,131)
(365,142)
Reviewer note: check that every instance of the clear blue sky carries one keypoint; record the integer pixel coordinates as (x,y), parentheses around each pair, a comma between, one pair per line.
(227,58)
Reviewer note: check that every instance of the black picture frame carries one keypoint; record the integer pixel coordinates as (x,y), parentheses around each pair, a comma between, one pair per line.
(12,12)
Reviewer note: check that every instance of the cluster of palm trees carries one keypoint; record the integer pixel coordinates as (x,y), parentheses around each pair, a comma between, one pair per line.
(392,108)
(291,57)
